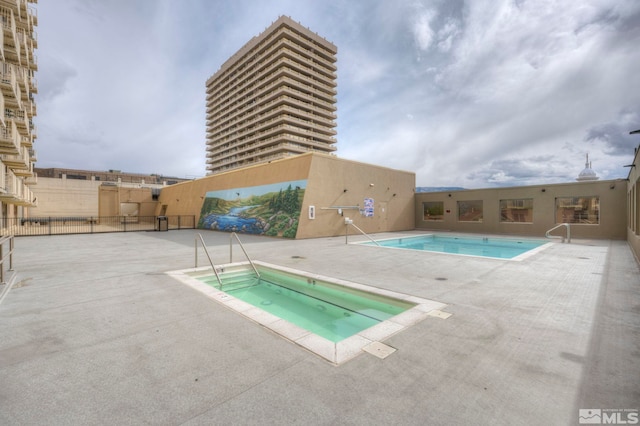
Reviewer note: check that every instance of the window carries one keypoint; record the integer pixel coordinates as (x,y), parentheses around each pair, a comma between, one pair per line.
(79,177)
(433,210)
(470,211)
(584,210)
(516,210)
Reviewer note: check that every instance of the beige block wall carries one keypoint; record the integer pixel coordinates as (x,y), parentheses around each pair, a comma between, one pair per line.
(612,209)
(327,178)
(111,197)
(65,197)
(74,197)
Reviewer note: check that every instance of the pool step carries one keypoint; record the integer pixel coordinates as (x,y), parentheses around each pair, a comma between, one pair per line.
(237,279)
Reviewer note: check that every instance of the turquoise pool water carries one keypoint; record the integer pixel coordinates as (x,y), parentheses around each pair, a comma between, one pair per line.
(500,248)
(326,309)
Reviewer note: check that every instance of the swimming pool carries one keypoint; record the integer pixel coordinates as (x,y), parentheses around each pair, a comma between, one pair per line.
(335,319)
(492,247)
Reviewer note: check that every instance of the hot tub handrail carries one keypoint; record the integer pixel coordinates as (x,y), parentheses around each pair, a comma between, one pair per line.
(233,234)
(566,225)
(208,256)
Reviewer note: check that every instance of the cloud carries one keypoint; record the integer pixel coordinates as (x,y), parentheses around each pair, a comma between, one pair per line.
(422,31)
(615,135)
(55,81)
(474,94)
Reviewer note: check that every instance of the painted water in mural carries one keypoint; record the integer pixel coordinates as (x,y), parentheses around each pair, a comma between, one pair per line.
(272,210)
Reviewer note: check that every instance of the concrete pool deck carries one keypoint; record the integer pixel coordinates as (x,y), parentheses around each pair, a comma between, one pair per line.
(94,332)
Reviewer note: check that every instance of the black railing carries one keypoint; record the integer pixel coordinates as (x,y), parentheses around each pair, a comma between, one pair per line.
(50,225)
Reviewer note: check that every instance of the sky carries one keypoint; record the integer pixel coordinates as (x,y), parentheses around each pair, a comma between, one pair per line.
(476,94)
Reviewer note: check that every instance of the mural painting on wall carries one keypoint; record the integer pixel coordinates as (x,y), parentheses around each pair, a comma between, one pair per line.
(272,210)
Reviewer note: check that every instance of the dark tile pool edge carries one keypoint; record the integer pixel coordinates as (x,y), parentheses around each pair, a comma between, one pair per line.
(336,353)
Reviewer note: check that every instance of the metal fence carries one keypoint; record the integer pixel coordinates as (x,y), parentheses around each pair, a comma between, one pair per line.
(92,224)
(6,263)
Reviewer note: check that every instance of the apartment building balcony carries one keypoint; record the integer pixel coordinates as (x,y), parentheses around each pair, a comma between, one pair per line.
(263,65)
(19,117)
(281,96)
(277,75)
(9,85)
(34,39)
(9,139)
(281,77)
(26,141)
(284,142)
(8,22)
(254,139)
(276,152)
(14,191)
(308,51)
(33,62)
(238,129)
(22,9)
(33,13)
(31,180)
(281,114)
(23,173)
(311,51)
(12,51)
(249,119)
(19,161)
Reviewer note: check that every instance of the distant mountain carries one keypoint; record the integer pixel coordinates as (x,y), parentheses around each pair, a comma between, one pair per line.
(437,188)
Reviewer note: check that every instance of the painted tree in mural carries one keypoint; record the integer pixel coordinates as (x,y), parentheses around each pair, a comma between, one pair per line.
(287,201)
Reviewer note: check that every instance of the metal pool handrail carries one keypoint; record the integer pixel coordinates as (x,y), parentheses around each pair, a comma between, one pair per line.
(208,256)
(348,222)
(233,234)
(566,225)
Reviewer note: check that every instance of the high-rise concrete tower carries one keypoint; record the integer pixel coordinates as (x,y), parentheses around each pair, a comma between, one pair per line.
(274,98)
(17,106)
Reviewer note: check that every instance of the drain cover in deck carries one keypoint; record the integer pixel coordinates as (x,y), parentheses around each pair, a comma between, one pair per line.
(439,314)
(379,349)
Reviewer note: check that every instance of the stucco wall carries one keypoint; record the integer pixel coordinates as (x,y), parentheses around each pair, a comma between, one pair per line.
(612,195)
(327,178)
(633,206)
(391,190)
(186,198)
